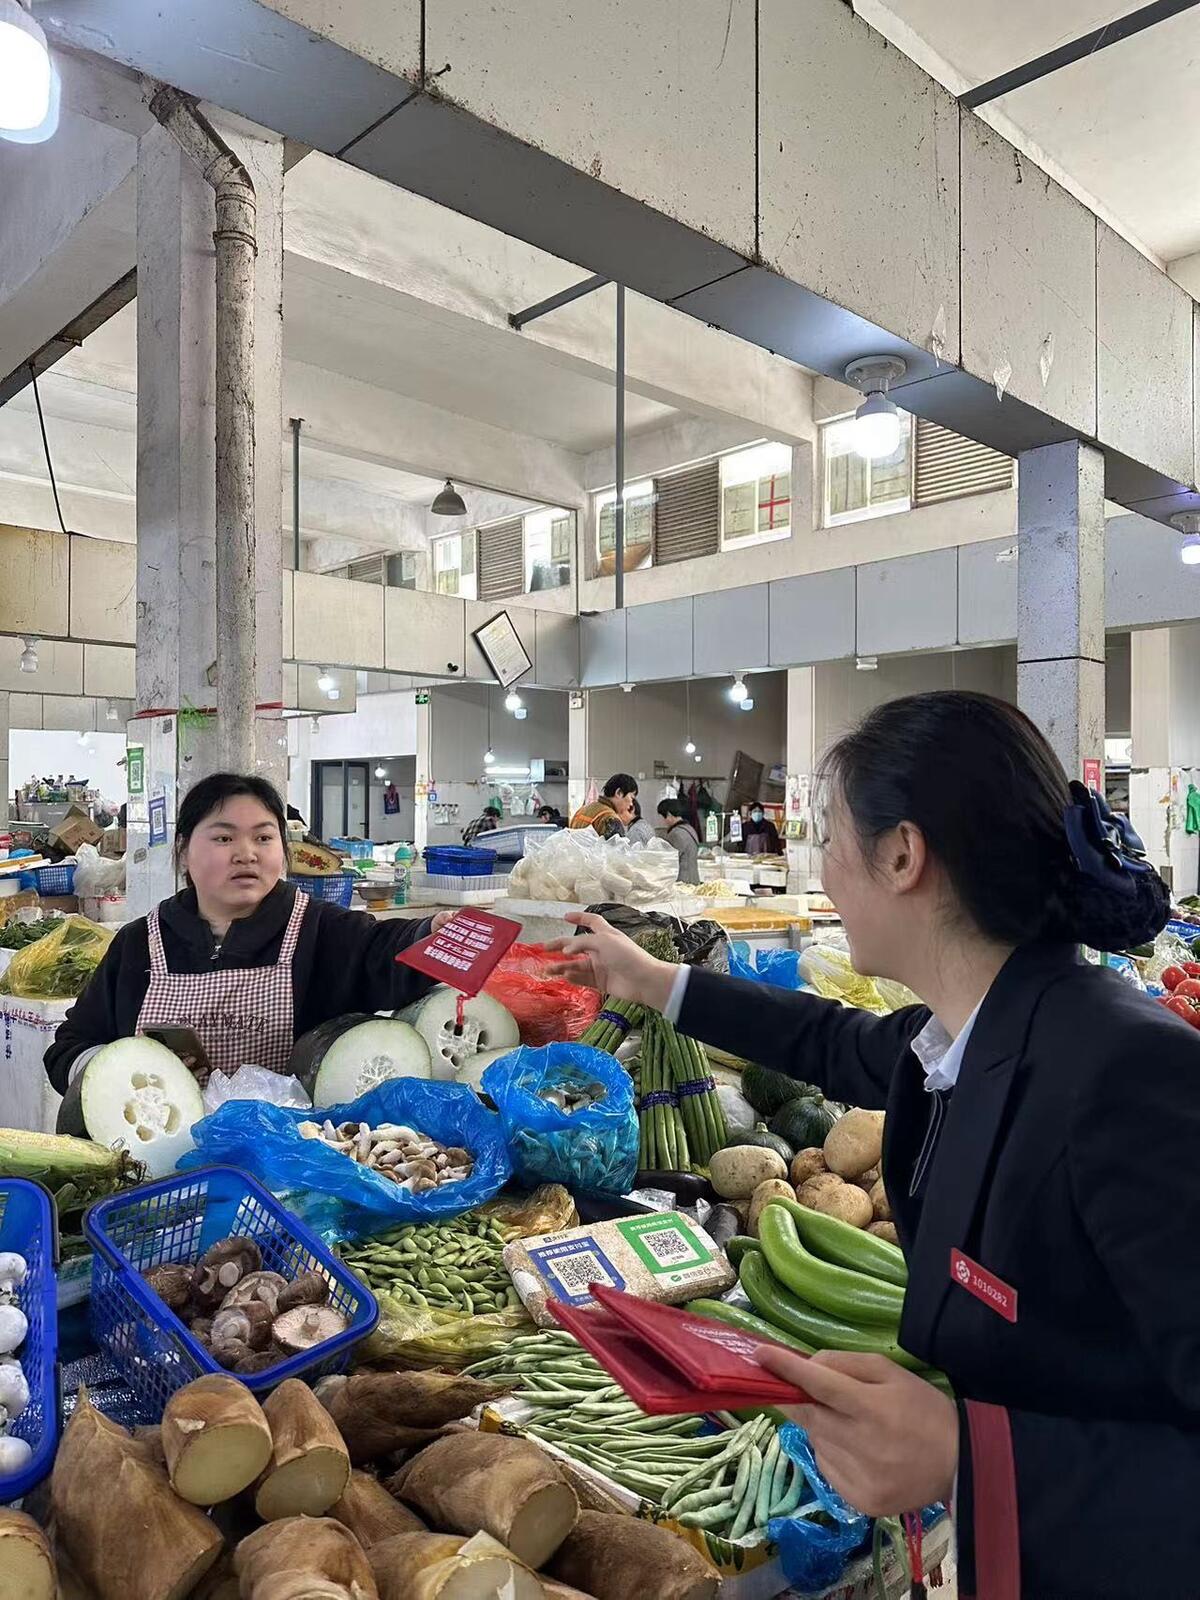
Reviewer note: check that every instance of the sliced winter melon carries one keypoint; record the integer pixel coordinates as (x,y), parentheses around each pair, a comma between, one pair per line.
(341,1059)
(474,1067)
(487,1025)
(138,1094)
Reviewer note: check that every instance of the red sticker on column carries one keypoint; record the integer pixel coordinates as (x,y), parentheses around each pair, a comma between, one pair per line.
(999,1296)
(464,951)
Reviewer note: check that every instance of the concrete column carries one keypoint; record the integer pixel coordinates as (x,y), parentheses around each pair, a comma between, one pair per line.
(577,750)
(176,577)
(1060,598)
(801,758)
(1165,725)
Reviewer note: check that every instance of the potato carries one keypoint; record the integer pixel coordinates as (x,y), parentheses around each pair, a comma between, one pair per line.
(855,1143)
(739,1169)
(847,1202)
(868,1179)
(884,1230)
(806,1164)
(879,1202)
(814,1186)
(772,1189)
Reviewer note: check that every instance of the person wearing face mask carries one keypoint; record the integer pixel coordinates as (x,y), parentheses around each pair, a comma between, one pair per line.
(612,815)
(1040,1154)
(762,836)
(238,957)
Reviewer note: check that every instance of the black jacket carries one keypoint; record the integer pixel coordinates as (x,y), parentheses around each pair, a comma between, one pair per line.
(1066,1162)
(345,961)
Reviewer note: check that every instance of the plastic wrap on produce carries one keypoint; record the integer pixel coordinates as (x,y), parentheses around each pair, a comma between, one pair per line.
(568,1111)
(577,865)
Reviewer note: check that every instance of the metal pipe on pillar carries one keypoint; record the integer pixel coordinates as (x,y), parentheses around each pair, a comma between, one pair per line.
(619,505)
(297,423)
(236,249)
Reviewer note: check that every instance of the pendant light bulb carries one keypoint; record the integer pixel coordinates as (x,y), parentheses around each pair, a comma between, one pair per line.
(29,656)
(326,681)
(738,692)
(28,80)
(489,757)
(689,748)
(513,701)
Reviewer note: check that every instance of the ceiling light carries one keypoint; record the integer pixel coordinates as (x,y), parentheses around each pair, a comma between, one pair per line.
(333,694)
(738,691)
(877,421)
(867,663)
(110,713)
(520,713)
(510,772)
(699,757)
(381,772)
(316,724)
(513,701)
(28,80)
(689,748)
(1188,524)
(489,757)
(326,681)
(83,739)
(448,502)
(746,705)
(29,656)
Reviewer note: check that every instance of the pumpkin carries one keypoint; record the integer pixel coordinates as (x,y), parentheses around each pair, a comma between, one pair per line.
(803,1123)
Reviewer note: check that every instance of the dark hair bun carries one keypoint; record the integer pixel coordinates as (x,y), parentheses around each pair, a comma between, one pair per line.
(1116,916)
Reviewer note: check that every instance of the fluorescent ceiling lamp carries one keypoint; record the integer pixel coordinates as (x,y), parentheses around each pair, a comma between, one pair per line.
(326,681)
(28,79)
(448,502)
(738,690)
(29,656)
(877,421)
(510,772)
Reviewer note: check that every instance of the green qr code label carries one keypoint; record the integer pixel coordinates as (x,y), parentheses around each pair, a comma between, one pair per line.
(664,1244)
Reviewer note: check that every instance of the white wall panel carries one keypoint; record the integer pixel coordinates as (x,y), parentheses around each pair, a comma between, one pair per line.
(812,617)
(556,650)
(656,100)
(987,592)
(602,648)
(34,567)
(730,629)
(1028,279)
(59,671)
(338,622)
(103,590)
(1145,359)
(108,671)
(424,632)
(908,604)
(660,640)
(1147,583)
(859,170)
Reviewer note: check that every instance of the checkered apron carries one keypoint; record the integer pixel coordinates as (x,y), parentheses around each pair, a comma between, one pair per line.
(242,1016)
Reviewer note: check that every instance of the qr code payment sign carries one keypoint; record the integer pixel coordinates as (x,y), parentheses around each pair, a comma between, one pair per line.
(571,1268)
(669,1247)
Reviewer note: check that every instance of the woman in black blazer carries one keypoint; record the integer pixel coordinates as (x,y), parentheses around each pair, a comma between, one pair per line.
(1042,1156)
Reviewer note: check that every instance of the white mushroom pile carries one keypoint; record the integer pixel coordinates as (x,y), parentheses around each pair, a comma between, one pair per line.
(15,1453)
(411,1159)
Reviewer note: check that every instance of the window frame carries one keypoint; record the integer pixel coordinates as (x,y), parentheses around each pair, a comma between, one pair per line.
(468,582)
(637,489)
(542,524)
(733,542)
(867,513)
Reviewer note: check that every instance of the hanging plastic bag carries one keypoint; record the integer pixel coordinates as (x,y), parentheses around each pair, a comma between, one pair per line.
(814,1554)
(778,968)
(97,875)
(254,1083)
(264,1139)
(570,1116)
(59,966)
(545,1009)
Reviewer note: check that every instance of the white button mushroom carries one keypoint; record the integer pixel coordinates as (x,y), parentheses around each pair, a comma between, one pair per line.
(14,1390)
(13,1327)
(13,1270)
(15,1456)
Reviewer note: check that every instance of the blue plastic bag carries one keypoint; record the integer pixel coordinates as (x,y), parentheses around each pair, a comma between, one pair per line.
(262,1138)
(814,1554)
(779,968)
(593,1149)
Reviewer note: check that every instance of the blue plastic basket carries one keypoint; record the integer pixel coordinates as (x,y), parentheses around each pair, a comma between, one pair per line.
(338,890)
(356,849)
(455,861)
(51,880)
(27,1225)
(175,1220)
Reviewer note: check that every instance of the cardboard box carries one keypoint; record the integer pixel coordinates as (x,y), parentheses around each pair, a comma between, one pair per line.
(113,844)
(76,828)
(65,904)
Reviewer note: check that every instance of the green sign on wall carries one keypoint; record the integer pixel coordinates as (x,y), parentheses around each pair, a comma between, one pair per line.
(135,769)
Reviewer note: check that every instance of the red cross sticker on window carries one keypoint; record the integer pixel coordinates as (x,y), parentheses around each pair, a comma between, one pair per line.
(776,506)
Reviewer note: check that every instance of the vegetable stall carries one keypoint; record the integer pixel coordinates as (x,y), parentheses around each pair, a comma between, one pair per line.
(345,1308)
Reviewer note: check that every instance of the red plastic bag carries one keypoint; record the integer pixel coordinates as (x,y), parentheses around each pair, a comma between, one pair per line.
(546,1009)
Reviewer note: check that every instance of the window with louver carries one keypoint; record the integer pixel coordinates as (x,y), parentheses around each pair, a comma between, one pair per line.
(949,465)
(501,555)
(687,514)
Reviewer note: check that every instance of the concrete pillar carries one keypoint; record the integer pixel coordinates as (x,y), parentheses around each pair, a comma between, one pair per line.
(801,758)
(176,578)
(1060,599)
(1165,725)
(577,750)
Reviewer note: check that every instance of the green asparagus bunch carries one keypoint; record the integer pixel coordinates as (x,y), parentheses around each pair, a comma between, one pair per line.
(614,1021)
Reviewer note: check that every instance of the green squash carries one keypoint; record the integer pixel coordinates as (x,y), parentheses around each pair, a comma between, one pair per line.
(804,1123)
(768,1090)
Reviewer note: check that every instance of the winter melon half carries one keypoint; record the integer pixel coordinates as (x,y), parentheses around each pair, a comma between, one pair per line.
(138,1094)
(339,1060)
(487,1025)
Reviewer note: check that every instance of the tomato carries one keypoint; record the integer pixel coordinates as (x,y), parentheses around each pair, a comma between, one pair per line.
(1189,989)
(1189,1010)
(1172,977)
(1192,968)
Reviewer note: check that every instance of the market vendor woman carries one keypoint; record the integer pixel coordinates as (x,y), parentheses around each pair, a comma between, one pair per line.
(239,957)
(1041,1156)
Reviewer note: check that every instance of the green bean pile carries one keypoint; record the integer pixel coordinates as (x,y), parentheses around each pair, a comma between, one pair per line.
(454,1265)
(729,1483)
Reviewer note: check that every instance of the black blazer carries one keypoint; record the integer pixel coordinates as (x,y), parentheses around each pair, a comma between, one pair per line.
(344,961)
(1066,1163)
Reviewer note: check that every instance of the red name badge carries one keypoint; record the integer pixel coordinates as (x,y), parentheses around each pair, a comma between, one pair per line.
(464,951)
(994,1292)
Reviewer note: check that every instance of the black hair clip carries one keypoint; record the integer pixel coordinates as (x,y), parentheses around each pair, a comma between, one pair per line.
(1104,846)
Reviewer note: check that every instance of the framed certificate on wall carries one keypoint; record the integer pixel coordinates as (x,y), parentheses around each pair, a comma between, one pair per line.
(503,650)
